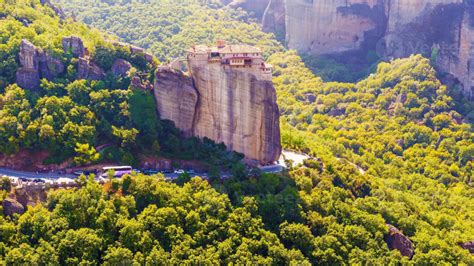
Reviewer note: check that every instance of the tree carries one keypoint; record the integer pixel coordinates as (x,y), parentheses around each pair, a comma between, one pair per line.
(79,246)
(118,256)
(85,154)
(239,171)
(126,137)
(155,147)
(5,184)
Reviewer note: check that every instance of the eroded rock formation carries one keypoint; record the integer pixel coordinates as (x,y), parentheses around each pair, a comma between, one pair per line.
(468,245)
(12,207)
(35,65)
(89,70)
(235,105)
(395,239)
(121,67)
(134,50)
(176,98)
(74,45)
(391,28)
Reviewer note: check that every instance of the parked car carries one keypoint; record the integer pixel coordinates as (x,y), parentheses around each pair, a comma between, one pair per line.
(167,171)
(150,172)
(83,172)
(38,180)
(179,172)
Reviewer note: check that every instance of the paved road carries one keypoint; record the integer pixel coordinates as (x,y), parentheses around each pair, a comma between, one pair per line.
(32,175)
(277,168)
(54,176)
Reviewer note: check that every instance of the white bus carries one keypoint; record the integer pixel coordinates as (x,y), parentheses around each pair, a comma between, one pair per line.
(119,171)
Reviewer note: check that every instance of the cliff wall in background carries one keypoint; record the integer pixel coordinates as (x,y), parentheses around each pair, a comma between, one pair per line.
(391,28)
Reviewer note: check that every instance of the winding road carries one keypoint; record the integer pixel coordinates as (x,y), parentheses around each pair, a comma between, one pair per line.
(276,168)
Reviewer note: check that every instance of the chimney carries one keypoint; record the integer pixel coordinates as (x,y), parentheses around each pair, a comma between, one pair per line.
(220,44)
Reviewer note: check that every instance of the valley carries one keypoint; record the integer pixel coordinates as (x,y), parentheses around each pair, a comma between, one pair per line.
(378,148)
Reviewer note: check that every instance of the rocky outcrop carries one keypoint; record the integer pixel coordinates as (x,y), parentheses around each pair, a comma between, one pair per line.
(395,239)
(12,207)
(89,70)
(225,104)
(86,68)
(121,67)
(58,10)
(176,98)
(468,245)
(74,45)
(35,65)
(352,29)
(134,50)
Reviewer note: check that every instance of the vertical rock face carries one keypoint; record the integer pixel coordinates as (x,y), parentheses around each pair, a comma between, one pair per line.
(395,239)
(35,65)
(464,70)
(273,19)
(28,75)
(176,98)
(391,28)
(86,69)
(441,29)
(236,108)
(121,67)
(330,26)
(228,103)
(74,45)
(12,207)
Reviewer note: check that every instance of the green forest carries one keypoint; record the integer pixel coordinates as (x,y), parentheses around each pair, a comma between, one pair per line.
(68,117)
(395,148)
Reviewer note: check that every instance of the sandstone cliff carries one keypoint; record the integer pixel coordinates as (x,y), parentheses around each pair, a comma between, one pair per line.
(226,105)
(395,239)
(392,28)
(35,65)
(176,99)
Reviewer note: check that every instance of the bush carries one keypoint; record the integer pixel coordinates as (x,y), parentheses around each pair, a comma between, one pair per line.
(5,184)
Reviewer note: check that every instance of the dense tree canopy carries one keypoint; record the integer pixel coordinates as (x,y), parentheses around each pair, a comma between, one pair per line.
(394,148)
(148,222)
(66,113)
(168,28)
